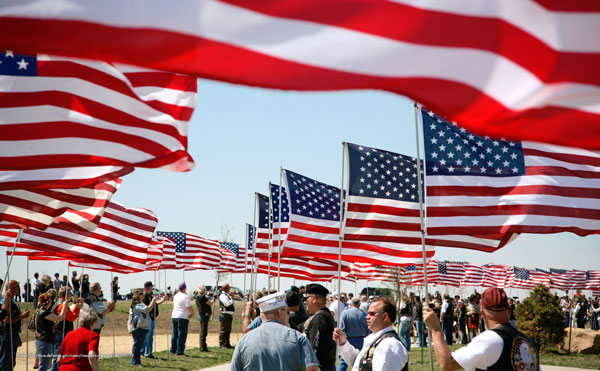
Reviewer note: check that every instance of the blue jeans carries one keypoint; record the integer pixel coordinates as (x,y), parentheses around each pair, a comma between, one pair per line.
(5,355)
(405,327)
(448,325)
(421,333)
(139,334)
(147,346)
(179,336)
(356,343)
(59,340)
(44,351)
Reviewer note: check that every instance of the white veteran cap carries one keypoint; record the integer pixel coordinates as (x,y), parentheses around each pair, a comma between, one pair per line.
(271,302)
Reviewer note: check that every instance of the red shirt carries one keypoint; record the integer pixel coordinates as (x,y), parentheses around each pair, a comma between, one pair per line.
(78,342)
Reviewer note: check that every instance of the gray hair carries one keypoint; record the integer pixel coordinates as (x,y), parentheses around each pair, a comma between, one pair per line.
(201,288)
(87,317)
(355,302)
(95,286)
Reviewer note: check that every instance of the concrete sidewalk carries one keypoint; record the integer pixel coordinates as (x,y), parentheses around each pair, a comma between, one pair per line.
(226,366)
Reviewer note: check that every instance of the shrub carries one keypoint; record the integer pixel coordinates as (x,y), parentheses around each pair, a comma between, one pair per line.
(539,317)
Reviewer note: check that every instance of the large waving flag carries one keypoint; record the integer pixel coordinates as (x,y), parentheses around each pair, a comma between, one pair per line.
(194,252)
(60,113)
(120,241)
(40,208)
(264,226)
(479,185)
(315,227)
(473,275)
(383,203)
(450,273)
(479,67)
(268,209)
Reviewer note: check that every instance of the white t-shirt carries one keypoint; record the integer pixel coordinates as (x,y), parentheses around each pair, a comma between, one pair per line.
(181,303)
(483,351)
(340,308)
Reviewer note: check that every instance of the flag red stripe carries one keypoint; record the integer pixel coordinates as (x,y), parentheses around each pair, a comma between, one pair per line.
(563,211)
(380,209)
(483,191)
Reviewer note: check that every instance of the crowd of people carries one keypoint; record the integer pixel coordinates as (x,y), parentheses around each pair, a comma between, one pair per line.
(298,329)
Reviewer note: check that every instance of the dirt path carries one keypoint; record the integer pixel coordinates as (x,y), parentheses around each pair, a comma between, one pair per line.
(123,344)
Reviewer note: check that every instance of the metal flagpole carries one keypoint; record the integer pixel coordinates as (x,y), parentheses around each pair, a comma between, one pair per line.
(112,315)
(155,309)
(66,301)
(270,240)
(279,232)
(420,186)
(341,238)
(7,280)
(254,237)
(27,332)
(167,323)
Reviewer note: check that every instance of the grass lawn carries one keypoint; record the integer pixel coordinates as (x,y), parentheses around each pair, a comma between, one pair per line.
(170,362)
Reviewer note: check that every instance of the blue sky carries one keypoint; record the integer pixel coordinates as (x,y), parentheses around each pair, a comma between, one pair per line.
(239,138)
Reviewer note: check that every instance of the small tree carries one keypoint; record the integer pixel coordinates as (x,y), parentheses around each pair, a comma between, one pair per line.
(539,317)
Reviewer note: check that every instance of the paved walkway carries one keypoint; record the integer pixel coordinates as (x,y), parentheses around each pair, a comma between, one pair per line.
(226,366)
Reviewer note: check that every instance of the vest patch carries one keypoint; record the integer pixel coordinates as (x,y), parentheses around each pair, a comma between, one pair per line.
(523,355)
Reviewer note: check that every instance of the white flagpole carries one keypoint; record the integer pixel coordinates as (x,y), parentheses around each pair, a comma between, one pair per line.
(270,239)
(167,323)
(341,238)
(279,234)
(254,237)
(112,315)
(421,216)
(27,332)
(7,280)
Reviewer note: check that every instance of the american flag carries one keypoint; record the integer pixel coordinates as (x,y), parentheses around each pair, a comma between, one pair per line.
(169,256)
(40,208)
(303,268)
(194,252)
(496,275)
(414,275)
(69,177)
(451,273)
(229,257)
(593,280)
(480,185)
(364,271)
(383,204)
(155,254)
(279,232)
(263,230)
(521,279)
(250,236)
(578,279)
(315,225)
(558,278)
(59,113)
(120,241)
(473,275)
(479,69)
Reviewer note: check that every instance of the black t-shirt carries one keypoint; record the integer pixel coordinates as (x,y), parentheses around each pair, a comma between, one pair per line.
(46,327)
(320,334)
(75,282)
(147,301)
(418,311)
(297,318)
(202,305)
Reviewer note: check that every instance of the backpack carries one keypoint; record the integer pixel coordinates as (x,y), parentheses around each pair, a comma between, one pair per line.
(32,325)
(134,322)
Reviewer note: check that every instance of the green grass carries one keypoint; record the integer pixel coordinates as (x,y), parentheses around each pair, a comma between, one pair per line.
(170,362)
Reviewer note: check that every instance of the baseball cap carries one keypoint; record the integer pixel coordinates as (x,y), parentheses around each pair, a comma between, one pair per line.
(225,286)
(148,284)
(292,298)
(182,286)
(494,299)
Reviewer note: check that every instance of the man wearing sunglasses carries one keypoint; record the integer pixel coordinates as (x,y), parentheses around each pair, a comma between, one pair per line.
(382,350)
(273,345)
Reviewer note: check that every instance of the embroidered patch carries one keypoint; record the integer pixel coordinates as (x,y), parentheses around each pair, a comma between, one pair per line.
(523,355)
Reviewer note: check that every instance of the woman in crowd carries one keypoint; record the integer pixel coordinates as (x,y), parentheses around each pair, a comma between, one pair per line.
(114,288)
(141,324)
(85,285)
(406,311)
(71,314)
(45,336)
(473,317)
(79,350)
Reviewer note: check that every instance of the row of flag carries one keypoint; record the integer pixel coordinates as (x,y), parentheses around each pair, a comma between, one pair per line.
(477,193)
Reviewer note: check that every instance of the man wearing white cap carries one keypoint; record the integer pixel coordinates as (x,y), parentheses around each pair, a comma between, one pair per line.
(273,345)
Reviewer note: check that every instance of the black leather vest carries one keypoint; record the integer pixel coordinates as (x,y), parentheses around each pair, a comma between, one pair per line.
(230,308)
(519,353)
(366,362)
